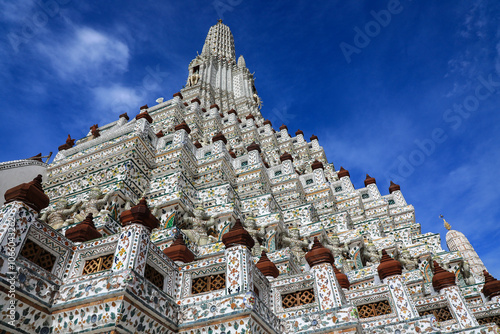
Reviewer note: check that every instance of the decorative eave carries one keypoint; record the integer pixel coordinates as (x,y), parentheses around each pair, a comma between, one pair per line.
(286,156)
(266,266)
(388,266)
(253,147)
(139,214)
(317,165)
(369,180)
(83,231)
(218,137)
(343,172)
(491,286)
(145,115)
(394,187)
(319,254)
(178,251)
(237,235)
(183,126)
(442,278)
(30,193)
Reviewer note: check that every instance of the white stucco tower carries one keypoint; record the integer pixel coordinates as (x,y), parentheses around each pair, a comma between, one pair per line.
(457,241)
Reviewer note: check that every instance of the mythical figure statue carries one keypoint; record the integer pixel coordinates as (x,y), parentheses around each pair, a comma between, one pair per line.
(58,217)
(199,225)
(257,99)
(466,273)
(333,244)
(93,204)
(296,244)
(370,254)
(257,234)
(193,79)
(405,258)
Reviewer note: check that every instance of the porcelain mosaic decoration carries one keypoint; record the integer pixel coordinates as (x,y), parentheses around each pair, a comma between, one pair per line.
(202,161)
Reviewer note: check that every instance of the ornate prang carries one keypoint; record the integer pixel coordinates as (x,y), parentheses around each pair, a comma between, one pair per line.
(95,130)
(369,180)
(139,214)
(388,266)
(69,144)
(319,254)
(442,278)
(160,134)
(253,147)
(286,156)
(237,235)
(178,251)
(218,137)
(83,231)
(491,285)
(30,193)
(145,115)
(394,187)
(317,165)
(266,266)
(183,126)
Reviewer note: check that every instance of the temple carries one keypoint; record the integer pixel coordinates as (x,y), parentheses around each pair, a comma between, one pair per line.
(197,216)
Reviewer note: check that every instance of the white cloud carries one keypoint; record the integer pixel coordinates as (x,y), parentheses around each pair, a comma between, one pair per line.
(117,99)
(86,56)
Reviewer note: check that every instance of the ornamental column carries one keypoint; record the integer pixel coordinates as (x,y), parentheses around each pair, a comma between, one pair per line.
(330,293)
(444,283)
(239,262)
(132,248)
(389,271)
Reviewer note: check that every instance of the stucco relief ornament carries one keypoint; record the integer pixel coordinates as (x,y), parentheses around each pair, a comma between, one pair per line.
(370,254)
(93,204)
(296,244)
(57,217)
(200,224)
(257,234)
(408,262)
(334,245)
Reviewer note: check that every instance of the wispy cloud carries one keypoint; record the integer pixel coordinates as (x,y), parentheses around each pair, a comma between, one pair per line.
(86,56)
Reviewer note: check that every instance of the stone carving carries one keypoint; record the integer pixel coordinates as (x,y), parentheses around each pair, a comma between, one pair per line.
(93,204)
(257,233)
(199,226)
(334,245)
(467,274)
(57,217)
(296,244)
(406,260)
(370,254)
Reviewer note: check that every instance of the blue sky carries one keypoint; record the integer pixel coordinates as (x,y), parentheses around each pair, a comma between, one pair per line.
(404,90)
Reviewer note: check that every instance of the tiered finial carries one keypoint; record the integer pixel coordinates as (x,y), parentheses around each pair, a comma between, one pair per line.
(237,235)
(388,266)
(442,278)
(446,224)
(84,231)
(266,266)
(491,285)
(30,193)
(178,251)
(319,254)
(139,214)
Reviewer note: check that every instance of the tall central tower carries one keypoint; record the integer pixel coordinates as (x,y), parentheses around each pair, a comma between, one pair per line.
(216,78)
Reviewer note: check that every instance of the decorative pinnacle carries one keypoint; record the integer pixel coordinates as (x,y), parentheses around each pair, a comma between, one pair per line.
(446,224)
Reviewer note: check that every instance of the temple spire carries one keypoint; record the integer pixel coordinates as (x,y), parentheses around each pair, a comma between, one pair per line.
(219,42)
(446,224)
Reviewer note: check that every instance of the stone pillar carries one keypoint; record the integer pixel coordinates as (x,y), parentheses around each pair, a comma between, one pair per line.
(398,197)
(239,262)
(132,248)
(444,283)
(345,178)
(389,271)
(22,206)
(181,133)
(330,293)
(318,171)
(371,184)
